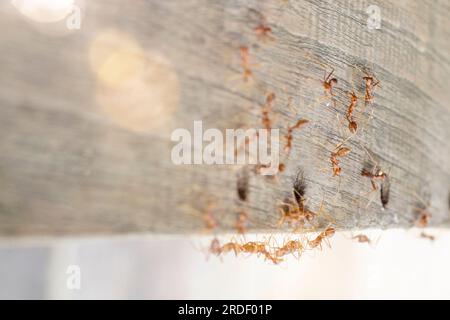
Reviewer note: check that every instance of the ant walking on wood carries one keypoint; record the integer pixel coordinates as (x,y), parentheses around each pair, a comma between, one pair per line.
(329,83)
(423,217)
(339,153)
(245,63)
(289,135)
(352,125)
(370,85)
(266,109)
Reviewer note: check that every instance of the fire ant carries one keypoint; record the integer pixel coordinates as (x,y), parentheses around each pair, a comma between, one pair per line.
(253,247)
(369,87)
(245,63)
(216,249)
(317,242)
(227,247)
(266,110)
(361,238)
(339,153)
(290,247)
(352,125)
(262,30)
(259,248)
(329,82)
(290,137)
(423,218)
(422,212)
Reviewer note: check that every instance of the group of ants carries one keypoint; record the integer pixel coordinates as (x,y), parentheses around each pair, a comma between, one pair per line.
(294,210)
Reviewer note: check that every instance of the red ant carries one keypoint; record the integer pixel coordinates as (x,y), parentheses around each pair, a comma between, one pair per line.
(329,83)
(259,248)
(245,62)
(249,247)
(217,249)
(266,110)
(227,247)
(291,246)
(262,30)
(361,238)
(317,242)
(423,218)
(289,136)
(341,152)
(369,88)
(352,125)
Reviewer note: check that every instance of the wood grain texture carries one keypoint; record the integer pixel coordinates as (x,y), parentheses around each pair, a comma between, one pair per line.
(82,152)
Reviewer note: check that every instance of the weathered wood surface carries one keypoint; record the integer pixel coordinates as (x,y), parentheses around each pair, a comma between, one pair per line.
(83,151)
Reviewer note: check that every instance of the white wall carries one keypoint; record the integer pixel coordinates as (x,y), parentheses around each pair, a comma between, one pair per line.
(400,265)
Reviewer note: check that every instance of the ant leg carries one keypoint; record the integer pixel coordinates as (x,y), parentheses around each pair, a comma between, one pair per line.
(374,186)
(329,75)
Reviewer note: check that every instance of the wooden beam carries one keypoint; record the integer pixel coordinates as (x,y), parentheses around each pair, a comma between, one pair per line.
(87,114)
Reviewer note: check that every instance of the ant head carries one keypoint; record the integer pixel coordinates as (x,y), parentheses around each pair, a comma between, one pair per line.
(333,81)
